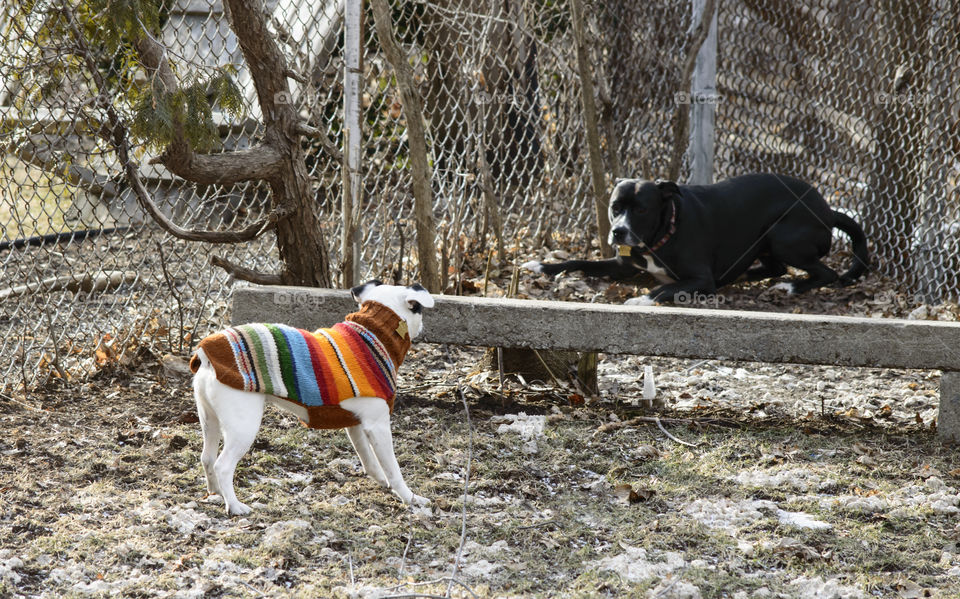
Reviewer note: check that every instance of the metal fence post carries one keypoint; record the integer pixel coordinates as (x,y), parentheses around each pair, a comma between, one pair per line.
(703,96)
(352,200)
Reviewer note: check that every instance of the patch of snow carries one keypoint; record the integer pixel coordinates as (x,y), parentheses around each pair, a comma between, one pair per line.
(283,533)
(186,520)
(530,428)
(634,566)
(799,479)
(817,588)
(8,567)
(727,514)
(674,589)
(801,520)
(479,569)
(856,504)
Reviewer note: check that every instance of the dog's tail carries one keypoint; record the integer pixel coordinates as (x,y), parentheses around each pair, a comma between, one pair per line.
(199,359)
(861,256)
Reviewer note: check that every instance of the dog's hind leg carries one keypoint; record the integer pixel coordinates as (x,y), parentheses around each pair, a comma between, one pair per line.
(240,413)
(819,275)
(374,416)
(367,459)
(210,426)
(769,268)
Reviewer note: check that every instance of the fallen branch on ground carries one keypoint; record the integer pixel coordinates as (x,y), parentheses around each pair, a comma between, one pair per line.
(87,283)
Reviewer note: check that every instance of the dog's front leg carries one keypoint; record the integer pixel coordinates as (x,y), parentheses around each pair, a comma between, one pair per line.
(371,466)
(374,416)
(680,293)
(618,268)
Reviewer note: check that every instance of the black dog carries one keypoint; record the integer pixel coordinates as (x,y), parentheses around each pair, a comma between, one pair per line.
(697,238)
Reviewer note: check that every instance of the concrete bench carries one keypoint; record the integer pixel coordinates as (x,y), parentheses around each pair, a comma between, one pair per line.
(653,331)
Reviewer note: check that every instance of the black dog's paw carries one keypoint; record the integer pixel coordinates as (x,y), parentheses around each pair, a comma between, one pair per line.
(643,300)
(533,265)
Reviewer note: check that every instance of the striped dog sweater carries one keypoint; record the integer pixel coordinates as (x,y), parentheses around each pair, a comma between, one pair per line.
(315,370)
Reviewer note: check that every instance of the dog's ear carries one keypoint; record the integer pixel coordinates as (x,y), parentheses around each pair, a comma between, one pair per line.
(418,298)
(668,189)
(357,291)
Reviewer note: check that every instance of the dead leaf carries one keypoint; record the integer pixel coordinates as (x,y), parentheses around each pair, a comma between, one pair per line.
(866,460)
(926,471)
(648,452)
(789,547)
(626,495)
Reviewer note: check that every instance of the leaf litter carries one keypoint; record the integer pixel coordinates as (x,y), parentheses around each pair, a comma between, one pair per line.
(807,481)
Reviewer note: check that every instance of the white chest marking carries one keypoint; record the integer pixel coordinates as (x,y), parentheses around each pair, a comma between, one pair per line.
(658,273)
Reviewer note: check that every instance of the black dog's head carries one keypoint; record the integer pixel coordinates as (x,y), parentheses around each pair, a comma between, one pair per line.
(638,209)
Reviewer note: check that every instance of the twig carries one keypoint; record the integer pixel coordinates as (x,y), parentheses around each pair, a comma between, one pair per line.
(427,583)
(486,273)
(174,291)
(662,592)
(56,350)
(20,403)
(253,588)
(466,487)
(550,372)
(403,558)
(500,366)
(203,305)
(537,525)
(672,438)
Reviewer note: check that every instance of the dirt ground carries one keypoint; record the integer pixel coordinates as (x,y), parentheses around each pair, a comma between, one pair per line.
(760,495)
(753,480)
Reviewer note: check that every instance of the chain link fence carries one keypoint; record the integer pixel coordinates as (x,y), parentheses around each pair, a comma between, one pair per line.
(860,99)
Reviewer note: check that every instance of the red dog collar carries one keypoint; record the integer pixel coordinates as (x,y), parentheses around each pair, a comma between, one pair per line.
(670,232)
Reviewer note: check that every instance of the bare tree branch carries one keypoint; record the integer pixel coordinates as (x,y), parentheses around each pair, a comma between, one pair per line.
(312,132)
(591,129)
(246,274)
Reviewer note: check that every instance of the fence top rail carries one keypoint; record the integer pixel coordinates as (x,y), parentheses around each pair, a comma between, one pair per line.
(654,331)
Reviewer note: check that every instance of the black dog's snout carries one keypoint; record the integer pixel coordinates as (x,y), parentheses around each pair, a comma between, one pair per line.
(620,234)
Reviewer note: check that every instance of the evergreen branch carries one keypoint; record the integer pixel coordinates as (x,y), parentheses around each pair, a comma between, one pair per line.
(115,132)
(257,163)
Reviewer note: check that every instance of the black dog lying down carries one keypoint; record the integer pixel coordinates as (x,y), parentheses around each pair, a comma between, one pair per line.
(697,238)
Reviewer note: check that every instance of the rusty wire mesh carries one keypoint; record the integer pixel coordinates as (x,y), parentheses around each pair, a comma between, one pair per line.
(859,98)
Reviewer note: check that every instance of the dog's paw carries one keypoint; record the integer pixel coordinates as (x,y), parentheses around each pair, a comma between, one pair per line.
(533,265)
(239,509)
(788,287)
(643,300)
(417,500)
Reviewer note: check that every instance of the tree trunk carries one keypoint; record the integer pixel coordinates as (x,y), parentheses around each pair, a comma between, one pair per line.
(591,128)
(299,236)
(419,166)
(890,211)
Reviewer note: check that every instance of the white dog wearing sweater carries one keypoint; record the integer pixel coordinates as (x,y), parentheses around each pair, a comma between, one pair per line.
(341,377)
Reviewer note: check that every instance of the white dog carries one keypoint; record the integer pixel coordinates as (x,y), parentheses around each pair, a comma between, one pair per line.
(342,377)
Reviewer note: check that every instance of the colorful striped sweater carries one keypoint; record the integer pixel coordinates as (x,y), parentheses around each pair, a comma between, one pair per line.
(316,371)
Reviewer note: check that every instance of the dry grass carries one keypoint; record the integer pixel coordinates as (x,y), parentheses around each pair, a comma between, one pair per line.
(102,493)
